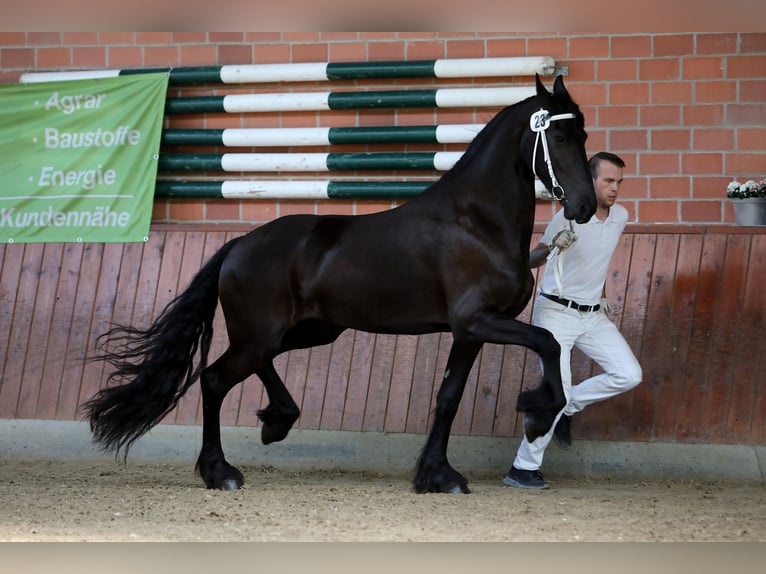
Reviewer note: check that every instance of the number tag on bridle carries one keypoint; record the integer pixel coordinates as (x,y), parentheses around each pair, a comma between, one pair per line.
(540,121)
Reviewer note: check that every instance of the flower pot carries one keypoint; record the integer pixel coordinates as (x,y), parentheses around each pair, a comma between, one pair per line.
(750,212)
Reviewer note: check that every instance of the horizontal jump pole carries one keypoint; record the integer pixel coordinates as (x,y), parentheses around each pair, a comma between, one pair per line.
(319,101)
(322,71)
(299,189)
(440,161)
(278,137)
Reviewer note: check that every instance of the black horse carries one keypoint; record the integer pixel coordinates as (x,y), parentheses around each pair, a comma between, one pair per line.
(455,258)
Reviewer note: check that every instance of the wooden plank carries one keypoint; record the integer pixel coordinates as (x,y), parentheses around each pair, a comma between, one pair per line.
(632,328)
(10,272)
(751,329)
(380,381)
(316,385)
(695,388)
(727,320)
(359,380)
(79,332)
(655,352)
(337,381)
(403,383)
(19,330)
(758,435)
(490,368)
(427,371)
(676,336)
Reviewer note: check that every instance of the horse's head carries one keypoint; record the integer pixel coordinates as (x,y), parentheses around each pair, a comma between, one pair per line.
(556,144)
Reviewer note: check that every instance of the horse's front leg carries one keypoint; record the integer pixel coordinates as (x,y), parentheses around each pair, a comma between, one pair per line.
(542,404)
(433,472)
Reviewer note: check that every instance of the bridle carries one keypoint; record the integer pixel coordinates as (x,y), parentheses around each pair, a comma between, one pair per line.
(539,122)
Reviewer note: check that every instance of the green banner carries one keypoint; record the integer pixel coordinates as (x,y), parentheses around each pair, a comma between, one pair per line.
(78,159)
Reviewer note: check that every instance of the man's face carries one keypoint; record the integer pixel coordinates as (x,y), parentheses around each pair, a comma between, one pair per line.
(607,184)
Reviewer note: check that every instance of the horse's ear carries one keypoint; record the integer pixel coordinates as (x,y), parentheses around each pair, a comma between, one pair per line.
(541,89)
(558,87)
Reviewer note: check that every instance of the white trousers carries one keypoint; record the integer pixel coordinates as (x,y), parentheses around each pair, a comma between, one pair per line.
(595,335)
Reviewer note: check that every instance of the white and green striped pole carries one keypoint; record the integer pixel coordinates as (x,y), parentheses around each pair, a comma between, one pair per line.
(284,137)
(299,189)
(301,162)
(322,71)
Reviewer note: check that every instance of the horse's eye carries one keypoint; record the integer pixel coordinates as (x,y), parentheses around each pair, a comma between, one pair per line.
(559,139)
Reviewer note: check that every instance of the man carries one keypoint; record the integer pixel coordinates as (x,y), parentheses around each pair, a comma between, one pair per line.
(572,305)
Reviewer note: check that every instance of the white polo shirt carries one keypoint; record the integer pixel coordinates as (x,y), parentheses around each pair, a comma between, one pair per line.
(584,265)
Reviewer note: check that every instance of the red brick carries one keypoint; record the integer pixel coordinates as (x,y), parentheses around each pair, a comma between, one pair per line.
(654,70)
(674,187)
(262,37)
(660,116)
(715,91)
(596,139)
(663,140)
(659,163)
(347,52)
(339,37)
(716,44)
(746,164)
(701,211)
(186,210)
(334,207)
(554,47)
(94,57)
(581,71)
(271,53)
(673,45)
(49,58)
(372,205)
(660,211)
(234,54)
(17,58)
(425,50)
(753,42)
(308,53)
(610,116)
(115,38)
(616,70)
(707,187)
(746,114)
(633,188)
(226,37)
(160,210)
(713,139)
(80,38)
(259,210)
(506,48)
(43,39)
(629,93)
(703,68)
(296,206)
(161,56)
(465,49)
(702,163)
(627,140)
(124,57)
(222,209)
(197,55)
(631,46)
(745,66)
(189,38)
(378,51)
(671,92)
(152,38)
(588,94)
(752,91)
(589,48)
(751,139)
(703,115)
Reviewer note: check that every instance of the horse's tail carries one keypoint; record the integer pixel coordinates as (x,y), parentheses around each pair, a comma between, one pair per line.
(155,366)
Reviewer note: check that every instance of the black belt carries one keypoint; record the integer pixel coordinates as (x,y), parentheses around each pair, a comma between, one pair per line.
(571,304)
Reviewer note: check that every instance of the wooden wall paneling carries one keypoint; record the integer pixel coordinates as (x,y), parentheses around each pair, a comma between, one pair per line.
(379,383)
(655,353)
(749,332)
(316,385)
(336,390)
(617,409)
(426,372)
(70,394)
(464,416)
(34,389)
(759,401)
(445,344)
(490,368)
(192,260)
(676,337)
(404,383)
(695,387)
(103,309)
(10,271)
(634,314)
(725,329)
(18,332)
(358,381)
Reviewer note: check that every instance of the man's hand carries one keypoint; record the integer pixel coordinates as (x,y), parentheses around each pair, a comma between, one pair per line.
(605,307)
(563,239)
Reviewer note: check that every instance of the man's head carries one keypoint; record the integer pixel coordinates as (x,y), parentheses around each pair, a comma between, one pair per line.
(606,171)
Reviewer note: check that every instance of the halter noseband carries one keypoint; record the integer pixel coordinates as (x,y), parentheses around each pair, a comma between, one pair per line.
(539,122)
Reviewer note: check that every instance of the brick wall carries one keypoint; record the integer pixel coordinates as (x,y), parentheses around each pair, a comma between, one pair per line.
(686,110)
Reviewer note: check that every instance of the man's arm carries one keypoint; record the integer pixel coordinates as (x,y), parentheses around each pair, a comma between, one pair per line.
(538,255)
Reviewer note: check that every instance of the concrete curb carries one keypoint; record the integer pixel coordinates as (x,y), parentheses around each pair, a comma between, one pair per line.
(394,453)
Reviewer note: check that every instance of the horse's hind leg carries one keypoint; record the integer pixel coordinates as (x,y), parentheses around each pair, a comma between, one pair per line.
(280,414)
(217,380)
(434,473)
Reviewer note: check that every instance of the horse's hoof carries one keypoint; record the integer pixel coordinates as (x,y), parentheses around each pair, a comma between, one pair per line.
(230,484)
(457,489)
